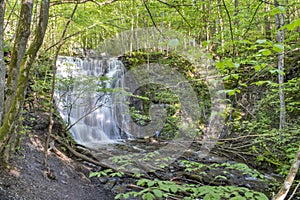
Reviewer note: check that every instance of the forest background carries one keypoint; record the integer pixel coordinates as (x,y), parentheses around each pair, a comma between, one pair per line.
(255,45)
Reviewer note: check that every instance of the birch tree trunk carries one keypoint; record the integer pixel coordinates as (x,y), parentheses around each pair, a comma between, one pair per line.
(2,64)
(279,22)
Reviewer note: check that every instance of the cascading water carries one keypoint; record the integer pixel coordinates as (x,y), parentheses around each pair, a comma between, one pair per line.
(83,98)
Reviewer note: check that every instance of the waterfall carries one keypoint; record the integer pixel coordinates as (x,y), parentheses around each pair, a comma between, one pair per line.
(83,96)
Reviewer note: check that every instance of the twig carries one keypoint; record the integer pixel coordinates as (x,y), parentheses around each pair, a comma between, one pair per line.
(59,2)
(294,192)
(253,16)
(10,14)
(85,115)
(245,136)
(72,35)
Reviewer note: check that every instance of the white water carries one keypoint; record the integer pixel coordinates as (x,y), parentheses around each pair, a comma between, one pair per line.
(83,98)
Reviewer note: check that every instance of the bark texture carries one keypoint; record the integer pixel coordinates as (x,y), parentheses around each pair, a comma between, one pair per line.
(17,103)
(2,64)
(19,49)
(279,22)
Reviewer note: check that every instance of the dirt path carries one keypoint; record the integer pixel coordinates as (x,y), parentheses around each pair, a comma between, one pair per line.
(26,179)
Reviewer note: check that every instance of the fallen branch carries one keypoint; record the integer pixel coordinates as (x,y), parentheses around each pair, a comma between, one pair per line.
(294,192)
(82,156)
(289,179)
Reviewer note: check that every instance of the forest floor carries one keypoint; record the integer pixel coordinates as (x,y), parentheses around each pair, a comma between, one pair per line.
(27,178)
(67,177)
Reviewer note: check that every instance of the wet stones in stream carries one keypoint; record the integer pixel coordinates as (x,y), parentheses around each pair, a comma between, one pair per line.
(190,169)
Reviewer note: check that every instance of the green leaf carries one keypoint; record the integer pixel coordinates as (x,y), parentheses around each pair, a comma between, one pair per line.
(235,76)
(142,182)
(221,177)
(230,92)
(92,174)
(126,196)
(259,83)
(212,196)
(272,71)
(261,196)
(293,25)
(158,193)
(265,52)
(225,78)
(278,47)
(248,194)
(148,196)
(238,198)
(220,65)
(150,183)
(261,41)
(277,10)
(118,196)
(173,188)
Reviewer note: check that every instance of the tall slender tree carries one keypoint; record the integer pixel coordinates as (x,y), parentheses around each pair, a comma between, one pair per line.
(2,65)
(279,22)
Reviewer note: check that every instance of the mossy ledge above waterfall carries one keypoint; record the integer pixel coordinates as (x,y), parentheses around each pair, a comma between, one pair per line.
(161,94)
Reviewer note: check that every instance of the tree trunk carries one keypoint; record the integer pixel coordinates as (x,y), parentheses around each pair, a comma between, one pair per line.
(13,114)
(2,64)
(236,12)
(22,35)
(279,21)
(268,28)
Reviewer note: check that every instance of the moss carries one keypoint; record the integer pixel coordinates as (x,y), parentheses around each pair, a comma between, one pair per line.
(159,94)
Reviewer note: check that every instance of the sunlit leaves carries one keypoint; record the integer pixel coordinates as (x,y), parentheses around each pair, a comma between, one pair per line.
(277,10)
(278,48)
(293,25)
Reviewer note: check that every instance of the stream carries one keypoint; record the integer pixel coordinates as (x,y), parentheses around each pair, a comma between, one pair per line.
(84,98)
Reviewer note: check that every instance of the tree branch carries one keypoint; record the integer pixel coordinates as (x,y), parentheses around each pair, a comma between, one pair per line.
(289,179)
(151,17)
(252,19)
(177,10)
(69,36)
(59,2)
(230,26)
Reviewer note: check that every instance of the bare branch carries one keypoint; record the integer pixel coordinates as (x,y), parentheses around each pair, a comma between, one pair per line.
(59,2)
(151,17)
(69,36)
(177,10)
(252,19)
(230,26)
(289,179)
